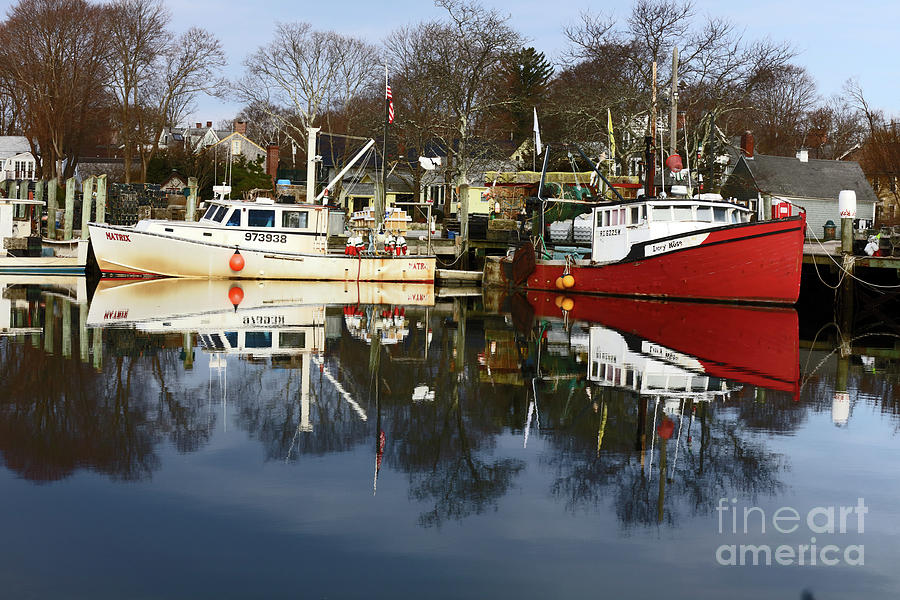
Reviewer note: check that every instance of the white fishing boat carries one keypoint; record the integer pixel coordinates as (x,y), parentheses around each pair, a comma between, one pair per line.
(161,305)
(258,239)
(25,252)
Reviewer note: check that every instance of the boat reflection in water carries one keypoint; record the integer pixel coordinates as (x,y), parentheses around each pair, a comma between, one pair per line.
(662,370)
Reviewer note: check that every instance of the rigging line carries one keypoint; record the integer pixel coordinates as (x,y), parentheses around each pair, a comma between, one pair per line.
(845,272)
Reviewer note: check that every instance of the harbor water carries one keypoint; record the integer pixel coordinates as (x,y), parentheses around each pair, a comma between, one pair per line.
(184,439)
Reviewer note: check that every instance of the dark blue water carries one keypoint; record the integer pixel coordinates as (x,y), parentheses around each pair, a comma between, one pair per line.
(472,450)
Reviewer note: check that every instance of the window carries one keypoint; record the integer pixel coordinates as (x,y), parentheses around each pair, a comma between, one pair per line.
(261,218)
(291,339)
(210,212)
(614,218)
(635,215)
(234,220)
(258,339)
(295,219)
(220,214)
(232,337)
(683,213)
(599,218)
(735,217)
(719,215)
(704,213)
(662,213)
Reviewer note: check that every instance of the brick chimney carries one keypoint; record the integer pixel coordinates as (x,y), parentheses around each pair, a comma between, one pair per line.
(209,123)
(240,127)
(747,144)
(272,158)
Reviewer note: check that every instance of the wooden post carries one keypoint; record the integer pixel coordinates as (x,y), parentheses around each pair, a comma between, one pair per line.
(98,348)
(83,353)
(4,186)
(188,345)
(87,200)
(51,209)
(190,213)
(49,317)
(70,209)
(101,199)
(39,196)
(23,189)
(66,328)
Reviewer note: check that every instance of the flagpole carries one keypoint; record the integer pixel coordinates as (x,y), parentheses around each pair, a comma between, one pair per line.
(381,205)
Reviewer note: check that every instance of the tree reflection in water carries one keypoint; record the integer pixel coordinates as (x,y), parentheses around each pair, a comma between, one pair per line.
(59,415)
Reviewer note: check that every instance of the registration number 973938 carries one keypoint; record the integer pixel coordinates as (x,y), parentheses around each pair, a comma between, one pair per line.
(253,236)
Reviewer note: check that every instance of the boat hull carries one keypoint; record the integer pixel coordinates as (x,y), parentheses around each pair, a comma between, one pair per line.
(69,259)
(753,262)
(124,251)
(756,345)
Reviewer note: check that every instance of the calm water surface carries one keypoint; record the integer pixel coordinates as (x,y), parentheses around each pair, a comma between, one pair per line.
(209,440)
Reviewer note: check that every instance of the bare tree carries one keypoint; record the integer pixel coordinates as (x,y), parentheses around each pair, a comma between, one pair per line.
(139,38)
(303,73)
(465,52)
(51,69)
(880,156)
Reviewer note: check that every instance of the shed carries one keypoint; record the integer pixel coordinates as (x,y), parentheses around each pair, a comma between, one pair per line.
(811,183)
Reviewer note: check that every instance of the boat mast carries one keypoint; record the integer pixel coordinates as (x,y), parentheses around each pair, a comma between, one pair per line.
(311,133)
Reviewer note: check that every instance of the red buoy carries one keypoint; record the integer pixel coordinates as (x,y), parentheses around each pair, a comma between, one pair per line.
(666,428)
(235,295)
(674,163)
(236,262)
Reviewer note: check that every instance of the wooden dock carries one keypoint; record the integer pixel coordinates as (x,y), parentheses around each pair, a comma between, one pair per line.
(829,254)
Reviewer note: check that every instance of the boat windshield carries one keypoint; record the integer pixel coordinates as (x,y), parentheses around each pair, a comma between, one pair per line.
(210,211)
(220,214)
(234,220)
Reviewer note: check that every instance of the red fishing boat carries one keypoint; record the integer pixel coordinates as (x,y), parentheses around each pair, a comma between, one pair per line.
(755,345)
(673,247)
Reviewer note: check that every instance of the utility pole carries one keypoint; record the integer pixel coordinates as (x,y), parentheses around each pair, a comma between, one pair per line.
(651,154)
(673,116)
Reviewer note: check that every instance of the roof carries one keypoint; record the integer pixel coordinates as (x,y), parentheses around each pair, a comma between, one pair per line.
(10,145)
(788,176)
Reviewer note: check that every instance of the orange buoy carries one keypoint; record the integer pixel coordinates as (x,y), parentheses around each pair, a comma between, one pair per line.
(568,281)
(558,301)
(559,283)
(567,304)
(235,295)
(236,262)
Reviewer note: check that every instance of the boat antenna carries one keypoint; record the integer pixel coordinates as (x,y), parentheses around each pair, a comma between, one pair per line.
(541,191)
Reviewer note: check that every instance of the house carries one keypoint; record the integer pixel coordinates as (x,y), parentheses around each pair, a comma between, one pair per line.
(16,159)
(223,141)
(174,183)
(814,184)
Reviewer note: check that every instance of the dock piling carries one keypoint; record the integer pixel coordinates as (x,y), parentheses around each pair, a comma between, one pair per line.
(87,200)
(190,214)
(70,209)
(51,209)
(101,199)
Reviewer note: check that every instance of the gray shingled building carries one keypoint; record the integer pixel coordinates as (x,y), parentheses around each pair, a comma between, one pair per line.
(811,183)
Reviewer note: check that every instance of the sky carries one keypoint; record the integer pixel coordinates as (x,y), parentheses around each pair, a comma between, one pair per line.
(836,40)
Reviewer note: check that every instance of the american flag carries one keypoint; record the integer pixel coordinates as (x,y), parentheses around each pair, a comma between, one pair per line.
(390,101)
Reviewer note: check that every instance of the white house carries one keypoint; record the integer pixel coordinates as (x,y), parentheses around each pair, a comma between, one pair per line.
(16,159)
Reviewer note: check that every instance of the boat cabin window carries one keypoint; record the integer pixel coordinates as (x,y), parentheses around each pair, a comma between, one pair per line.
(683,213)
(636,214)
(261,218)
(291,339)
(720,215)
(662,213)
(220,214)
(210,212)
(704,213)
(21,212)
(258,339)
(234,220)
(295,219)
(232,337)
